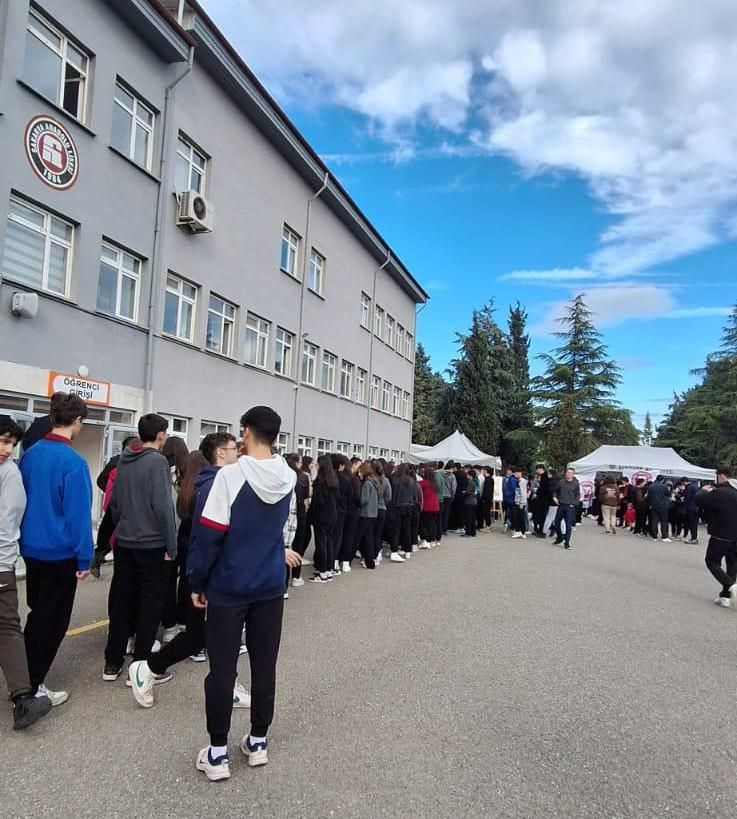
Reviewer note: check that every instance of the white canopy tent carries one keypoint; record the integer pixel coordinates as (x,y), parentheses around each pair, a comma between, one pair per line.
(640,462)
(455,447)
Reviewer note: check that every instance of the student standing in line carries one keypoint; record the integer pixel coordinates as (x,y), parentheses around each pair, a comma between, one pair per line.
(27,708)
(236,571)
(342,502)
(449,492)
(487,499)
(56,536)
(301,494)
(542,500)
(567,497)
(692,513)
(403,495)
(658,499)
(416,510)
(609,502)
(175,610)
(385,498)
(470,504)
(146,544)
(323,516)
(430,507)
(720,504)
(519,508)
(370,490)
(348,546)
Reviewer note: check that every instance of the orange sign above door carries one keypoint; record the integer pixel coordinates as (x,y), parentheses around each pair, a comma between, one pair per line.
(93,392)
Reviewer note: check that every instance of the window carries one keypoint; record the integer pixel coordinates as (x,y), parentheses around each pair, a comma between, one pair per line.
(409,347)
(178,427)
(343,448)
(220,324)
(384,453)
(316,272)
(190,170)
(358,450)
(282,443)
(397,402)
(284,348)
(379,322)
(389,331)
(309,364)
(361,386)
(289,251)
(386,393)
(346,379)
(305,445)
(327,381)
(365,311)
(405,405)
(324,446)
(55,67)
(395,456)
(117,288)
(375,391)
(210,427)
(179,308)
(373,452)
(257,340)
(400,339)
(133,127)
(38,248)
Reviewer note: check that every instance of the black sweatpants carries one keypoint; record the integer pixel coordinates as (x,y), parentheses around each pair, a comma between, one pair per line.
(365,541)
(223,627)
(348,546)
(640,521)
(469,515)
(141,582)
(50,589)
(659,516)
(539,515)
(379,521)
(300,541)
(445,514)
(692,523)
(717,551)
(337,539)
(323,548)
(414,524)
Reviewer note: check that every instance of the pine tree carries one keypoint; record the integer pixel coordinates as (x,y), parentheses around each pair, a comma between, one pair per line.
(429,400)
(729,336)
(647,431)
(520,438)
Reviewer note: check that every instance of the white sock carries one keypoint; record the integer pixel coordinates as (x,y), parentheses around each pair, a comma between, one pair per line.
(252,740)
(217,751)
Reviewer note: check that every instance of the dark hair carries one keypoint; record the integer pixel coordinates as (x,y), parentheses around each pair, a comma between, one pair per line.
(212,442)
(449,465)
(355,460)
(488,470)
(724,470)
(338,460)
(9,428)
(367,472)
(307,463)
(187,490)
(127,441)
(264,424)
(610,480)
(175,451)
(402,475)
(291,458)
(66,408)
(325,472)
(149,426)
(378,467)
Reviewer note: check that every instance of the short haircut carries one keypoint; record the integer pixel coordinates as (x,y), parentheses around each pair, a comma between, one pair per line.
(9,429)
(723,470)
(264,424)
(66,408)
(214,441)
(540,466)
(449,465)
(338,459)
(150,425)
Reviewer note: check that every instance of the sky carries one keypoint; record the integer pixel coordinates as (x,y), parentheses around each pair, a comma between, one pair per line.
(530,150)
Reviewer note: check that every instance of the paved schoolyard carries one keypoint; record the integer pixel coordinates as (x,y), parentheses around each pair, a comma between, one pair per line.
(490,677)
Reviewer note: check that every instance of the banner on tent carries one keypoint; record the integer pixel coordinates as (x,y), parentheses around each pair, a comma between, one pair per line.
(587,479)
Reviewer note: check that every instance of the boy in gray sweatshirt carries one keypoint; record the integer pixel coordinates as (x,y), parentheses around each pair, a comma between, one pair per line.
(26,707)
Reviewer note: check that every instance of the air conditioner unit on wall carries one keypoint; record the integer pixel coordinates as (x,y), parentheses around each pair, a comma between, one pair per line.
(195,212)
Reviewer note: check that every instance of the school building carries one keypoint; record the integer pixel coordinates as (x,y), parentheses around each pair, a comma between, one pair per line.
(173,244)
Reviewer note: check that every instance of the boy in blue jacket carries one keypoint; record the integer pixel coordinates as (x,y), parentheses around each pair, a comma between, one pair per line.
(55,536)
(236,570)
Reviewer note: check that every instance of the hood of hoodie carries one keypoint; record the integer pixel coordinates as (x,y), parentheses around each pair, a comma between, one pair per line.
(271,479)
(732,482)
(205,475)
(129,455)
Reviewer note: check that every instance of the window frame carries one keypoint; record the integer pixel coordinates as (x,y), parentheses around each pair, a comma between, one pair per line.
(121,272)
(49,239)
(358,451)
(323,362)
(259,336)
(409,348)
(225,320)
(375,392)
(302,445)
(379,322)
(282,443)
(220,427)
(135,120)
(347,378)
(294,248)
(361,379)
(62,52)
(181,298)
(386,396)
(324,450)
(286,343)
(397,402)
(406,402)
(170,429)
(191,166)
(365,311)
(399,338)
(310,353)
(318,291)
(389,326)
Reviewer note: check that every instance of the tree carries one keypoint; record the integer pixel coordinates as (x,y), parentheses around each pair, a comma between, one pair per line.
(647,431)
(430,397)
(577,410)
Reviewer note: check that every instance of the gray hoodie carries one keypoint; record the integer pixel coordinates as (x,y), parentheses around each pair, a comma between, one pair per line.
(12,507)
(141,505)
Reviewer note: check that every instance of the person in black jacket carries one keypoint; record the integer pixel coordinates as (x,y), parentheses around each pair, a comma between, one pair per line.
(323,516)
(351,485)
(487,498)
(342,501)
(540,502)
(692,513)
(720,504)
(302,494)
(404,494)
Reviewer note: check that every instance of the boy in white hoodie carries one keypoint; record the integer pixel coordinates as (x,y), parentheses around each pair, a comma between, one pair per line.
(236,570)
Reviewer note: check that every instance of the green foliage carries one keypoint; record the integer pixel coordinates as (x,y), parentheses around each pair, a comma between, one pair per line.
(647,431)
(430,401)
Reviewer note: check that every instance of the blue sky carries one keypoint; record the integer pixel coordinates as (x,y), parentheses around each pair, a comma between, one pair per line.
(582,148)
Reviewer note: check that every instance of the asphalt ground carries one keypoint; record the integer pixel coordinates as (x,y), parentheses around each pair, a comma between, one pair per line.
(488,677)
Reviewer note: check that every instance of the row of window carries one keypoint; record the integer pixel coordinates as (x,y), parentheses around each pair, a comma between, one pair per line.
(386,328)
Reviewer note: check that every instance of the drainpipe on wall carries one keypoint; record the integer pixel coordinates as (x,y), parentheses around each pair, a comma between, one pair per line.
(412,407)
(155,289)
(300,335)
(371,352)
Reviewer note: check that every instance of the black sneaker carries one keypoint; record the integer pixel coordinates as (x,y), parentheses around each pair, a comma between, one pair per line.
(557,542)
(567,546)
(112,672)
(95,563)
(29,709)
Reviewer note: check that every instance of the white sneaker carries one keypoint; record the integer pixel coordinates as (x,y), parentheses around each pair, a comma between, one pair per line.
(407,555)
(142,683)
(199,657)
(286,595)
(257,754)
(379,558)
(346,567)
(213,770)
(241,697)
(396,558)
(733,591)
(56,697)
(169,634)
(156,647)
(336,566)
(130,647)
(667,540)
(242,650)
(297,582)
(725,602)
(516,535)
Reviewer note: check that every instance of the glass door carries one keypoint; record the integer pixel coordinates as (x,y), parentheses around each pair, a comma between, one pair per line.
(114,437)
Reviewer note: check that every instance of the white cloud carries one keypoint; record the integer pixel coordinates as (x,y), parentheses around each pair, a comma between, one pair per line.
(557,274)
(634,96)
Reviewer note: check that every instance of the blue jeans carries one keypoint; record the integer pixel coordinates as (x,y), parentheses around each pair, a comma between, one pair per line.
(567,513)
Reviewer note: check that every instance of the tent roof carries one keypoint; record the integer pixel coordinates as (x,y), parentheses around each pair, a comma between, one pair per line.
(455,447)
(663,460)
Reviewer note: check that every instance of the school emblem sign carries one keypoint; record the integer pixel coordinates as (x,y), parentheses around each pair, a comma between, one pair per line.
(52,153)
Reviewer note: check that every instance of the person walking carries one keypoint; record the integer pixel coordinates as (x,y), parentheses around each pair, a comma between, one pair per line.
(720,505)
(56,536)
(609,503)
(323,515)
(658,499)
(145,547)
(567,497)
(236,572)
(27,708)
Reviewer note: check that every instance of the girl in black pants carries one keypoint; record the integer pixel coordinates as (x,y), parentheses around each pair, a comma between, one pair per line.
(385,498)
(353,503)
(340,466)
(302,493)
(324,515)
(370,487)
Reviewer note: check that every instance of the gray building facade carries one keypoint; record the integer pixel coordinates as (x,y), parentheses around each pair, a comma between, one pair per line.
(173,244)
